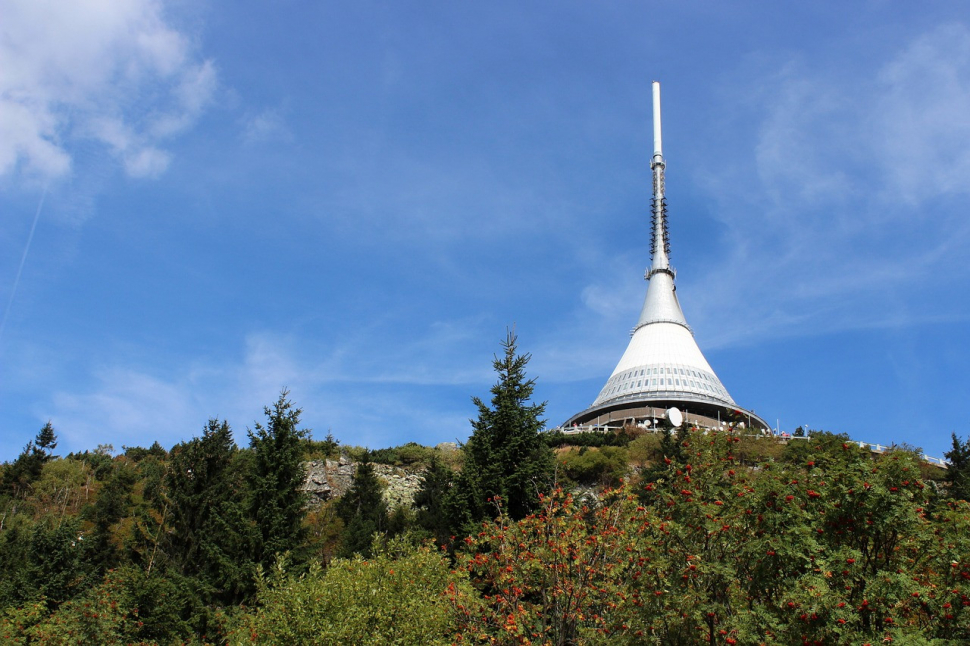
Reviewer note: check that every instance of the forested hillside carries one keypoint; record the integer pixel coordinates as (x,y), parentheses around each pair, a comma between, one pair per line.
(519,537)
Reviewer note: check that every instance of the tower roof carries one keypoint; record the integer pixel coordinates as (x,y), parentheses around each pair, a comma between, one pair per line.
(663,365)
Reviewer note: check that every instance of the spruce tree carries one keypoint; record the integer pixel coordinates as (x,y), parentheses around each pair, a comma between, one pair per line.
(363,511)
(958,471)
(277,501)
(26,469)
(506,460)
(210,537)
(430,500)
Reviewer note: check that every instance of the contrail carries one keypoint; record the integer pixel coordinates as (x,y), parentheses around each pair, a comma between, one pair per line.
(23,259)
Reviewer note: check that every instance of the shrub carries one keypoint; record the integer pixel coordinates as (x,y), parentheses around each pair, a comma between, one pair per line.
(404,595)
(606,465)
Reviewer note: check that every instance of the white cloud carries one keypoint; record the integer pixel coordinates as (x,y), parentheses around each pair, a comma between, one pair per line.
(147,162)
(923,116)
(268,125)
(109,70)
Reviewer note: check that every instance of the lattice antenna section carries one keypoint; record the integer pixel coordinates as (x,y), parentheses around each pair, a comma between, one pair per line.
(658,218)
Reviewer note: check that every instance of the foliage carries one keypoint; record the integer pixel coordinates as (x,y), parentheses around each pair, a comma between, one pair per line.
(404,595)
(622,437)
(554,576)
(113,502)
(644,450)
(958,473)
(137,453)
(19,477)
(363,511)
(43,560)
(717,537)
(505,457)
(212,539)
(411,454)
(276,502)
(603,466)
(326,449)
(430,501)
(834,548)
(104,615)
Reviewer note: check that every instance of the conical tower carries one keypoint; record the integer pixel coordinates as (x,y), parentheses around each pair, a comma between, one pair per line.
(662,368)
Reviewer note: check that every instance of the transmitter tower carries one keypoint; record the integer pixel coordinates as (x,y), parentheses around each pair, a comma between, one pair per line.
(663,372)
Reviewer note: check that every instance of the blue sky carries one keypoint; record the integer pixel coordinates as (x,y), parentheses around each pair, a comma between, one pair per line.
(204,202)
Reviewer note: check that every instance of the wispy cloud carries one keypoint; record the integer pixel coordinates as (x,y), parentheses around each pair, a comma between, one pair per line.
(267,125)
(361,391)
(116,73)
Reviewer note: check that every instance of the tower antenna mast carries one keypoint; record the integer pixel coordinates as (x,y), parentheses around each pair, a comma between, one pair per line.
(660,247)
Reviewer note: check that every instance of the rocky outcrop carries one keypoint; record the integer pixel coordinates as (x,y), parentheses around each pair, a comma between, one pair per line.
(329,479)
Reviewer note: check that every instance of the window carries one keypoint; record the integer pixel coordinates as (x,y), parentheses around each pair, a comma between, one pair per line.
(639,383)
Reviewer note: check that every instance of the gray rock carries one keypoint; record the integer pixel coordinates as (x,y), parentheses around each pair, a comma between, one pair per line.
(329,479)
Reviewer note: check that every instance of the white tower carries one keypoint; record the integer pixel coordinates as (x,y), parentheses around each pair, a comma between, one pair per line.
(662,367)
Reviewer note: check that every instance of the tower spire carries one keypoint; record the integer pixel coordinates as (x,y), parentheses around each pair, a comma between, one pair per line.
(660,305)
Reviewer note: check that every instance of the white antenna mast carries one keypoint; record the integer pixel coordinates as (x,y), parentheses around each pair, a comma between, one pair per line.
(660,249)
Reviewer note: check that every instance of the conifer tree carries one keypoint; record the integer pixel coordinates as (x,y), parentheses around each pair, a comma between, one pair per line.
(277,501)
(112,504)
(363,511)
(507,462)
(431,499)
(958,471)
(27,468)
(210,537)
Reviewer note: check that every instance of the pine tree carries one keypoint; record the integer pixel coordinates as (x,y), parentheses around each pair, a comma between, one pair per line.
(507,462)
(363,511)
(277,500)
